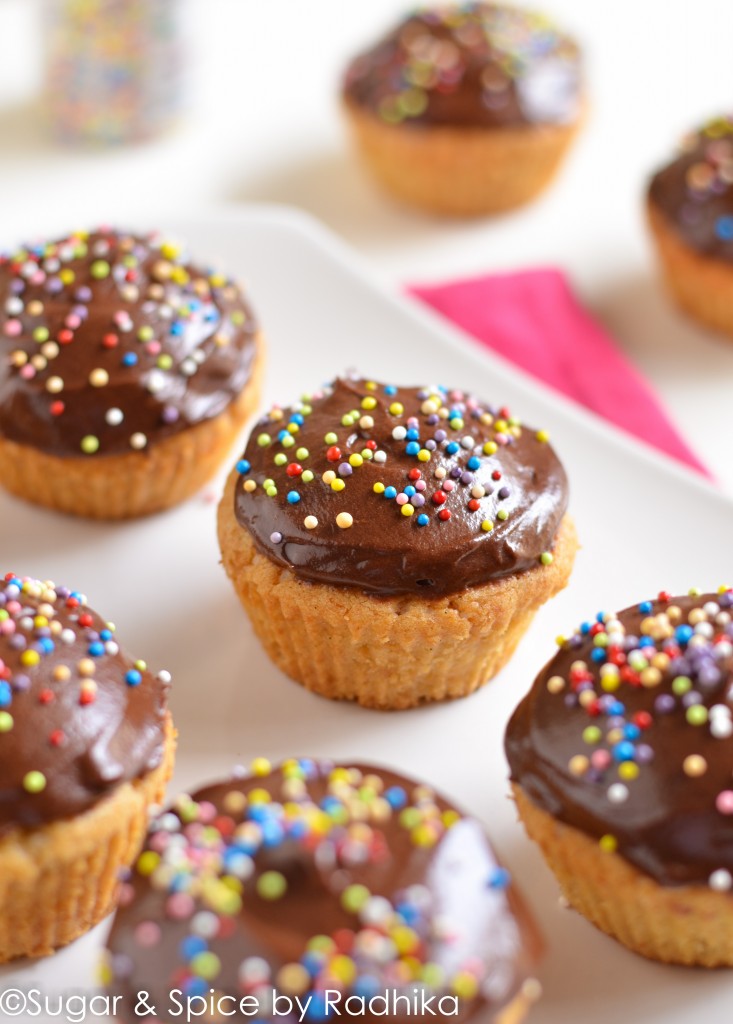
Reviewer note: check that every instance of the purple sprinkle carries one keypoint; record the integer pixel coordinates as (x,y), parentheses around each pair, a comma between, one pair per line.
(664,703)
(644,753)
(440,435)
(417,500)
(169,414)
(466,478)
(504,492)
(276,537)
(345,469)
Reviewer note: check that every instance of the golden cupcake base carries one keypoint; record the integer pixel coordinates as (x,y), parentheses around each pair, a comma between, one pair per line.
(702,286)
(460,172)
(385,652)
(137,483)
(691,925)
(60,880)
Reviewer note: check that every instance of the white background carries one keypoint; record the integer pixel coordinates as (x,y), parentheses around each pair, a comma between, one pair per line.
(265,124)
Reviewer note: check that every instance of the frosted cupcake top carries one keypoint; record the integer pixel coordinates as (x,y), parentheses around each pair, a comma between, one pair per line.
(110,342)
(627,735)
(313,881)
(400,490)
(694,192)
(470,65)
(78,716)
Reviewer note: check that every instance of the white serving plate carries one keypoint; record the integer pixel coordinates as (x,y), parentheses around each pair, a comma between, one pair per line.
(645,524)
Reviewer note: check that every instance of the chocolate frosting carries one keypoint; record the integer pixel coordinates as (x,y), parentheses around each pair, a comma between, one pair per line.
(311,876)
(475,65)
(110,342)
(694,192)
(627,734)
(77,715)
(486,495)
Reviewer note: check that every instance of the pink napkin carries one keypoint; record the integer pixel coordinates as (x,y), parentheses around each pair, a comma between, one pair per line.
(533,319)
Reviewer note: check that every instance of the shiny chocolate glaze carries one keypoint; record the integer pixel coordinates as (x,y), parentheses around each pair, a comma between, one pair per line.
(110,342)
(627,733)
(489,494)
(694,193)
(77,715)
(478,65)
(294,878)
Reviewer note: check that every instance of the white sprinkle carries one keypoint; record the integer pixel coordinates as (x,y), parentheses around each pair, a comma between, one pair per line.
(114,417)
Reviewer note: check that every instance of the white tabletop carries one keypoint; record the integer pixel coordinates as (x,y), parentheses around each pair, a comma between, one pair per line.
(265,125)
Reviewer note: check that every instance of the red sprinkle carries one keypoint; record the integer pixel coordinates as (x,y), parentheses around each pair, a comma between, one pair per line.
(333,454)
(414,474)
(85,619)
(56,408)
(110,341)
(46,696)
(444,514)
(294,469)
(474,505)
(496,475)
(439,497)
(65,336)
(57,737)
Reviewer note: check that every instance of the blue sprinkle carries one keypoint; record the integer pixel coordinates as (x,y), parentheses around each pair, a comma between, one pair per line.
(422,519)
(408,912)
(474,462)
(413,435)
(46,645)
(243,467)
(409,491)
(129,359)
(177,328)
(499,879)
(631,731)
(283,434)
(412,448)
(191,946)
(293,497)
(616,708)
(585,628)
(297,418)
(390,492)
(195,987)
(390,390)
(645,607)
(452,448)
(96,650)
(105,634)
(599,654)
(133,677)
(396,797)
(683,634)
(624,751)
(724,228)
(6,694)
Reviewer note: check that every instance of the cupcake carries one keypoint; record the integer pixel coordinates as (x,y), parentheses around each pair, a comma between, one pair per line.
(86,747)
(621,761)
(690,212)
(391,545)
(126,373)
(466,109)
(311,890)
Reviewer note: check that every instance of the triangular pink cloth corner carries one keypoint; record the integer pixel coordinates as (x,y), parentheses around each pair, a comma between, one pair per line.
(533,319)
